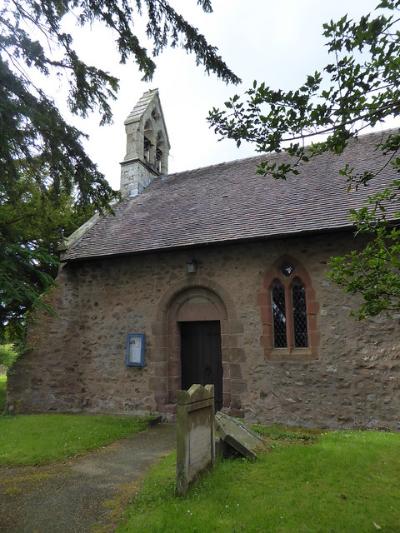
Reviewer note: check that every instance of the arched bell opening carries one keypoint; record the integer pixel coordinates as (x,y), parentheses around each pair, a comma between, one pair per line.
(148,143)
(160,158)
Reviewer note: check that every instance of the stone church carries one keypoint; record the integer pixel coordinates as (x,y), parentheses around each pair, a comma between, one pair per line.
(214,275)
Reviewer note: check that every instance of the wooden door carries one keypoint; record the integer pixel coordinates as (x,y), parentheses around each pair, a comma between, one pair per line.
(201,356)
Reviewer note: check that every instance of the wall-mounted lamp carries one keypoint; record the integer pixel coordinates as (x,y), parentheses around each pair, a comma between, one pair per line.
(191,266)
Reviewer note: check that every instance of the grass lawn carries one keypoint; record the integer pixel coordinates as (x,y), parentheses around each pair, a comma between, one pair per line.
(3,384)
(39,439)
(345,481)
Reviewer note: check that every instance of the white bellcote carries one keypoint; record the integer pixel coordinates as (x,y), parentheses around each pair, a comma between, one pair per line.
(147,145)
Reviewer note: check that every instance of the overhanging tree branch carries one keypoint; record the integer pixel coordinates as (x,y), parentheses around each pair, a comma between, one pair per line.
(358,90)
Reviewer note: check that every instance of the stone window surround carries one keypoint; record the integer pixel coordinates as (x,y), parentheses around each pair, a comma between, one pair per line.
(290,353)
(166,334)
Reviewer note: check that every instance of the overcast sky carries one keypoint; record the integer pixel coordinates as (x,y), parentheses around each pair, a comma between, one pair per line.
(276,41)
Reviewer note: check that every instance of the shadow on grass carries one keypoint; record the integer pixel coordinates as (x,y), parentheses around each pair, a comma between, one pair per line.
(284,434)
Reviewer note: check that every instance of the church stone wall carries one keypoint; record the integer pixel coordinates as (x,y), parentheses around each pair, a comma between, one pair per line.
(47,376)
(76,357)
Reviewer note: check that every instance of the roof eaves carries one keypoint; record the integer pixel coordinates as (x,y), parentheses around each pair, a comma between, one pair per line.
(283,235)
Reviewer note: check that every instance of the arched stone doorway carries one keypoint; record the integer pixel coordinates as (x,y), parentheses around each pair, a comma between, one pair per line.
(189,308)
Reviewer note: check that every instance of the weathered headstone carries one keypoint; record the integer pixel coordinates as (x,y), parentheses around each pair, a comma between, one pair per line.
(195,434)
(238,436)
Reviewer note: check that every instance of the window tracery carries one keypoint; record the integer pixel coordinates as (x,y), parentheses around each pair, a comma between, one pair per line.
(289,312)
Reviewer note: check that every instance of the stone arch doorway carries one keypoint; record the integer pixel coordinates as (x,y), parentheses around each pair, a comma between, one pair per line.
(186,311)
(196,320)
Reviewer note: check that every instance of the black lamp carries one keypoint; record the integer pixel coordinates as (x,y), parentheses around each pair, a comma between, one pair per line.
(191,266)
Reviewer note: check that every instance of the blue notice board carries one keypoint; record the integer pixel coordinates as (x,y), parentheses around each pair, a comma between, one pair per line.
(135,345)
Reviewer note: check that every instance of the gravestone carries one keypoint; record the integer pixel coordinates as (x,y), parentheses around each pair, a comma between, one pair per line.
(195,434)
(238,436)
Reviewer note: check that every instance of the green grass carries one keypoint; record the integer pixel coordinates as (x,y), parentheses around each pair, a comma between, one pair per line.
(284,434)
(3,385)
(338,482)
(39,439)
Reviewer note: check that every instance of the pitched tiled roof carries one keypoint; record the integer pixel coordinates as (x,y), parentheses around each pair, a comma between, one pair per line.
(229,202)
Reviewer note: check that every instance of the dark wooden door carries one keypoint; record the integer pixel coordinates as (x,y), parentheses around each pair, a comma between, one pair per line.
(201,356)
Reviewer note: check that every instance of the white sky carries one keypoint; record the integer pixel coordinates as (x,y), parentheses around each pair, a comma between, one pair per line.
(276,41)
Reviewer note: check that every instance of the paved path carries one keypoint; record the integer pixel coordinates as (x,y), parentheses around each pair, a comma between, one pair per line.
(86,494)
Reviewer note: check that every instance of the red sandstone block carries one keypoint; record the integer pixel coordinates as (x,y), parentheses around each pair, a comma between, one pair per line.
(312,307)
(235,326)
(158,355)
(226,385)
(230,341)
(158,384)
(160,369)
(226,370)
(262,297)
(174,368)
(237,355)
(237,387)
(236,412)
(226,399)
(235,402)
(235,371)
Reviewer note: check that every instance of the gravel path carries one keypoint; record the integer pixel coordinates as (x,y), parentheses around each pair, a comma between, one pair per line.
(87,494)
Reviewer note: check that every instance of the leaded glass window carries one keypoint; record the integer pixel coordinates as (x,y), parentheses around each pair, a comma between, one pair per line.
(279,314)
(299,314)
(289,323)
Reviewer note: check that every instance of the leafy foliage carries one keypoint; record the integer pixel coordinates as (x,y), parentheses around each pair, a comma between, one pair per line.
(32,221)
(374,271)
(358,89)
(48,183)
(3,393)
(8,355)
